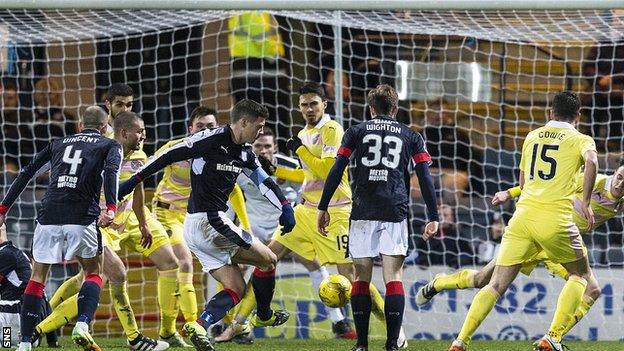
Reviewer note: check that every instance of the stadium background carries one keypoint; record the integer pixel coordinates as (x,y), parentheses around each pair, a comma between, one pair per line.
(176,60)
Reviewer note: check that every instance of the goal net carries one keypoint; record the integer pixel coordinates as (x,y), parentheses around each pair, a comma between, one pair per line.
(473,82)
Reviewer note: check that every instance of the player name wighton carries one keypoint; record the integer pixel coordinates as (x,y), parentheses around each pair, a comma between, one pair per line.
(388,127)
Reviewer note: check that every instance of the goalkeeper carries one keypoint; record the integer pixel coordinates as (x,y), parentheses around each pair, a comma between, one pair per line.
(607,202)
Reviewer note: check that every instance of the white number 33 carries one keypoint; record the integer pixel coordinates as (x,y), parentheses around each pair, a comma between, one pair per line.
(374,156)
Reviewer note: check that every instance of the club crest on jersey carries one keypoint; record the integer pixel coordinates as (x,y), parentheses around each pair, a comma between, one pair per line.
(135,165)
(328,149)
(188,142)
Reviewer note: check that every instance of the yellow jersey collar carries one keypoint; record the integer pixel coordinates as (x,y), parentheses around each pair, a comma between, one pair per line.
(607,188)
(560,124)
(326,118)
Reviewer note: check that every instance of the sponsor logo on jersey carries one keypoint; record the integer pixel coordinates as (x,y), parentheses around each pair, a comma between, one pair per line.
(228,168)
(378,175)
(66,181)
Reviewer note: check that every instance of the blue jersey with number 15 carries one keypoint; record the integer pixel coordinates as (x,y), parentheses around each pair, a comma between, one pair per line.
(382,150)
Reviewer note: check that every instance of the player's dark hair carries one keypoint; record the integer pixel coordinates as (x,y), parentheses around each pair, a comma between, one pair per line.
(266,131)
(566,106)
(384,99)
(200,111)
(94,117)
(125,120)
(313,88)
(118,89)
(249,110)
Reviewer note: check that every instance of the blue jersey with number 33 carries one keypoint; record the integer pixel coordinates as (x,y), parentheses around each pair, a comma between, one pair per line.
(382,150)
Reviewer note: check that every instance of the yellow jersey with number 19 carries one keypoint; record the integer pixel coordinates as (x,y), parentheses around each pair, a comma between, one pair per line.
(552,157)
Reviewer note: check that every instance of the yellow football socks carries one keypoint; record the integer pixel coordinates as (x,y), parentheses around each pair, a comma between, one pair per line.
(61,315)
(168,301)
(187,297)
(481,306)
(121,304)
(377,306)
(569,300)
(246,305)
(462,279)
(68,289)
(582,309)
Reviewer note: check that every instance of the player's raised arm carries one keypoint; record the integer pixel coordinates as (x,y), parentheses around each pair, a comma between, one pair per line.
(192,147)
(271,191)
(334,178)
(24,176)
(589,179)
(320,166)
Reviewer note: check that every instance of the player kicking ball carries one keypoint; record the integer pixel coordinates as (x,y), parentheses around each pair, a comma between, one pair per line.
(383,150)
(79,164)
(218,157)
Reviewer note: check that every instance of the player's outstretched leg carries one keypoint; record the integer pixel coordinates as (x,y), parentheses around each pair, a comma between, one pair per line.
(263,283)
(216,308)
(483,303)
(69,288)
(240,330)
(592,293)
(115,270)
(462,279)
(568,302)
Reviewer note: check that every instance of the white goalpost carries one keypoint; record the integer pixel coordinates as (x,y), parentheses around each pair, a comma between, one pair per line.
(473,76)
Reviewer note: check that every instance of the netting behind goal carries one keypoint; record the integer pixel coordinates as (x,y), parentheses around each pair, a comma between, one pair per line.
(473,82)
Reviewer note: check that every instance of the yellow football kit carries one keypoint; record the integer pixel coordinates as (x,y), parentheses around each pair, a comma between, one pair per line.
(604,205)
(125,232)
(552,157)
(320,143)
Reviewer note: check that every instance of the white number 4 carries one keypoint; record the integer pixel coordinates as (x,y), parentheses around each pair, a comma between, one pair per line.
(73,161)
(391,160)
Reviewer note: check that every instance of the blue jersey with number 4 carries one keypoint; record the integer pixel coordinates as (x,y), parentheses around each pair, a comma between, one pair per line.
(382,150)
(79,164)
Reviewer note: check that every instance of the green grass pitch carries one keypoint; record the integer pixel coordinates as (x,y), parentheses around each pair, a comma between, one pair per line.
(340,345)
